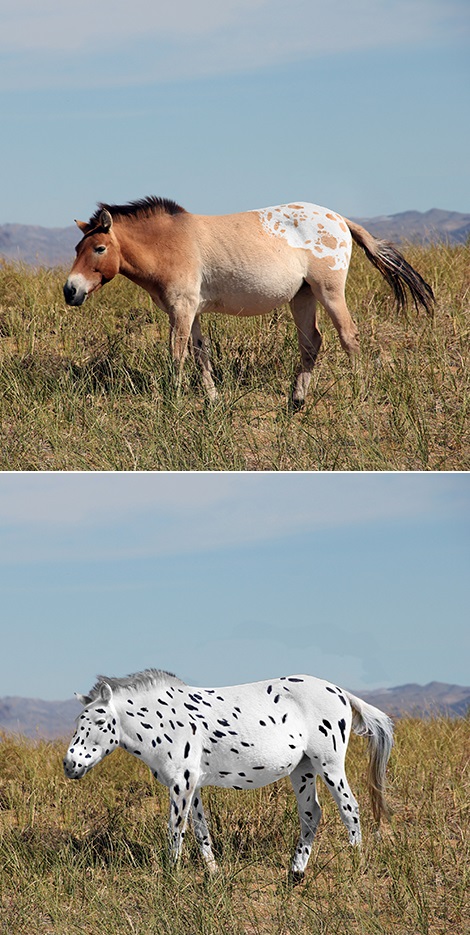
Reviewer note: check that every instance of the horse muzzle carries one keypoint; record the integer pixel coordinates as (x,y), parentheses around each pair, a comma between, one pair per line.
(78,762)
(75,291)
(74,770)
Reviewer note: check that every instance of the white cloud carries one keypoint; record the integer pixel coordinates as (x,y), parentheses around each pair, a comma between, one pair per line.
(125,516)
(55,26)
(115,42)
(55,500)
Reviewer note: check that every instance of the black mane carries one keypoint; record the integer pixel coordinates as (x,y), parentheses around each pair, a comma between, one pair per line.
(138,209)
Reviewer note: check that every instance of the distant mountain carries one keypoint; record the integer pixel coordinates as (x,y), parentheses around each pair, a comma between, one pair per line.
(421,700)
(51,719)
(35,718)
(415,227)
(54,246)
(38,246)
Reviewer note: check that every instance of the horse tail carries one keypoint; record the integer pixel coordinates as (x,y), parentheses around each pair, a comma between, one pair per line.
(394,268)
(378,728)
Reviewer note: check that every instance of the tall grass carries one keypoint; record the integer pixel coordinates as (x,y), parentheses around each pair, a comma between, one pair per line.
(91,388)
(90,856)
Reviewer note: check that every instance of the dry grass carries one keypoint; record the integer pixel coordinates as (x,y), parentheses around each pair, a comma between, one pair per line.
(90,856)
(90,388)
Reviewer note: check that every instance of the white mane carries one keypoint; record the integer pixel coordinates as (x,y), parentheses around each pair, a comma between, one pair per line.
(149,678)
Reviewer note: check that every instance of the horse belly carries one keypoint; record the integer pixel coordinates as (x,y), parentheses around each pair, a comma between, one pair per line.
(246,306)
(261,768)
(259,749)
(253,290)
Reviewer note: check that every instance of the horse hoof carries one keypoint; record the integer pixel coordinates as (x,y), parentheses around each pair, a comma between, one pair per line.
(297,404)
(296,877)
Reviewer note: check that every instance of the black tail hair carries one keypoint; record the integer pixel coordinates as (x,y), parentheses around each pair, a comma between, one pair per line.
(395,269)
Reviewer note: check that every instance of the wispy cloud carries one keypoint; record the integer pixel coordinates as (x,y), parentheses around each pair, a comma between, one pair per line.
(220,661)
(111,517)
(114,43)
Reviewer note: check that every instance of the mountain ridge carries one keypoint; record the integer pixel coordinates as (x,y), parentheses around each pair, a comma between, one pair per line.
(54,246)
(49,720)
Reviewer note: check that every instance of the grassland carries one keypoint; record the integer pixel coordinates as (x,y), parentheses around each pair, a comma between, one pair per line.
(90,388)
(90,856)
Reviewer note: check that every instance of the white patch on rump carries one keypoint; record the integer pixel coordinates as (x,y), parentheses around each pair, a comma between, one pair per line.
(310,227)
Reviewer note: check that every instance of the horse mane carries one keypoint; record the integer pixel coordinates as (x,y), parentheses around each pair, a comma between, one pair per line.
(137,680)
(144,207)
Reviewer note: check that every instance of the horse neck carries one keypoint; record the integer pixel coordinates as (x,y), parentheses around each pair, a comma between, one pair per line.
(128,702)
(144,246)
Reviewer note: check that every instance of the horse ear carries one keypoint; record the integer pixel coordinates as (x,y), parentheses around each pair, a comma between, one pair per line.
(106,692)
(106,221)
(83,226)
(83,699)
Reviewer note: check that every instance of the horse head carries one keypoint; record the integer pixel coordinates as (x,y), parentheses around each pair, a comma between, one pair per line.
(97,261)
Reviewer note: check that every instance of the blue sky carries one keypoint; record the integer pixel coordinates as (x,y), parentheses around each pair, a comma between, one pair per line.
(359,105)
(223,578)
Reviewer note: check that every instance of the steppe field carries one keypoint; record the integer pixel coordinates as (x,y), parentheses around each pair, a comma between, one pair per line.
(87,857)
(91,388)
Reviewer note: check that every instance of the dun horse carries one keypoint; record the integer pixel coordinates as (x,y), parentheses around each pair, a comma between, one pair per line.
(239,737)
(238,264)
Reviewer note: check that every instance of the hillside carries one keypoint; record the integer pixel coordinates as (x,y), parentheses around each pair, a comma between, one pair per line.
(38,246)
(51,719)
(432,226)
(36,718)
(421,700)
(54,246)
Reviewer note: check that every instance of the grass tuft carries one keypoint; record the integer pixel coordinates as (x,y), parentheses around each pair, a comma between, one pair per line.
(89,856)
(91,388)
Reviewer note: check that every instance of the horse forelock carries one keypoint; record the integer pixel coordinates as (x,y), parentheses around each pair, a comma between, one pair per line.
(144,207)
(135,681)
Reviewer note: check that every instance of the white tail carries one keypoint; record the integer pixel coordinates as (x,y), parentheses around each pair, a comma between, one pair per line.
(374,724)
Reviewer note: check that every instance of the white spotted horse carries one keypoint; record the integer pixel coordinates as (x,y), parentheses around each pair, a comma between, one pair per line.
(238,737)
(237,264)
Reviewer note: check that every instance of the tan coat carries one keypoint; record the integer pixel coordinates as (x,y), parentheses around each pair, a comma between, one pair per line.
(238,264)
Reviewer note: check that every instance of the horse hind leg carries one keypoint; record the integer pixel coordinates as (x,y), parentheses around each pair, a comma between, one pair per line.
(331,295)
(336,781)
(303,308)
(303,780)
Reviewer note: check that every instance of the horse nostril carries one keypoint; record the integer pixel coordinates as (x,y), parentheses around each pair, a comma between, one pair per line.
(69,292)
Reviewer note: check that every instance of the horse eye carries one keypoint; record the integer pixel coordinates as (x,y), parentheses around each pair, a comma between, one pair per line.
(100,249)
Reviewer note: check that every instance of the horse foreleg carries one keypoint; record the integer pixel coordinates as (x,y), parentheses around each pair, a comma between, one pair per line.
(202,832)
(180,806)
(181,323)
(201,354)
